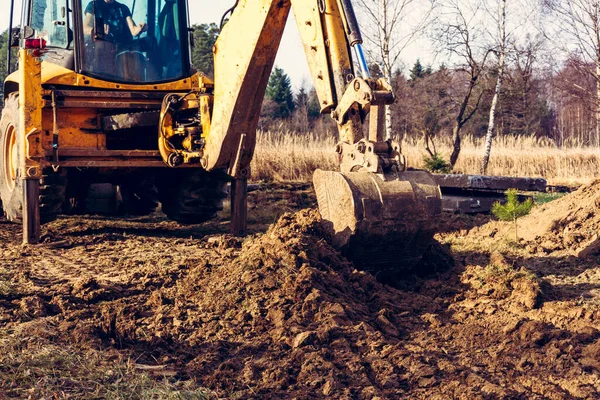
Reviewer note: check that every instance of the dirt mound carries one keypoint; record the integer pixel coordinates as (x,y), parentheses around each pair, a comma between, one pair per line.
(569,225)
(283,314)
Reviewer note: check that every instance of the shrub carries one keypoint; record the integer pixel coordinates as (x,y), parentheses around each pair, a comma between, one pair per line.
(437,164)
(513,209)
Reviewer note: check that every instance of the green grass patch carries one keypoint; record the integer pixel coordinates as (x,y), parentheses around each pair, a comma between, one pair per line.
(543,198)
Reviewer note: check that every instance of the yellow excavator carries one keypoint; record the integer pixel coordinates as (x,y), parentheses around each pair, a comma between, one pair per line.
(105,91)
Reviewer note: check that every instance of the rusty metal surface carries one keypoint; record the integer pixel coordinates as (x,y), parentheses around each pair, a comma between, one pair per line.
(94,158)
(31,211)
(481,182)
(130,120)
(468,205)
(380,225)
(84,152)
(87,163)
(107,99)
(112,94)
(106,103)
(473,203)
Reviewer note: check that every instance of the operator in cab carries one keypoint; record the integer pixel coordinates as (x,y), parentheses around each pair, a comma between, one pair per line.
(110,49)
(119,27)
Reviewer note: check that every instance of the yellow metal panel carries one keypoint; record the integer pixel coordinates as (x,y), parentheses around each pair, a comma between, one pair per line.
(77,127)
(206,105)
(54,73)
(244,56)
(57,75)
(339,50)
(310,26)
(78,80)
(30,113)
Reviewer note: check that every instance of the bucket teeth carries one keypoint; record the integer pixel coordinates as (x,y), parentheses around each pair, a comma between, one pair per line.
(381,225)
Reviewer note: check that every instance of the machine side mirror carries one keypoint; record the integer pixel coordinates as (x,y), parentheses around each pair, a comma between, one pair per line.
(27,32)
(191,37)
(15,34)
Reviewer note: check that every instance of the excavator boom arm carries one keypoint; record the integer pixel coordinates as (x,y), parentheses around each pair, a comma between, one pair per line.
(381,214)
(244,55)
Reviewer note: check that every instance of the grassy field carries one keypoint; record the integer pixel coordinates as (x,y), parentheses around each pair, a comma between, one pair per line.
(289,156)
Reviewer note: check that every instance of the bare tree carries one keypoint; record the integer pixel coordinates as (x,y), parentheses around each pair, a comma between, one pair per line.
(460,32)
(391,26)
(573,27)
(501,58)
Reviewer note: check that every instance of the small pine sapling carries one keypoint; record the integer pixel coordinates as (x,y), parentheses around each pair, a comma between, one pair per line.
(513,209)
(437,164)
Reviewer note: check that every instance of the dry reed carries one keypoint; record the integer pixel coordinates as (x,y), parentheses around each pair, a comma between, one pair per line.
(290,156)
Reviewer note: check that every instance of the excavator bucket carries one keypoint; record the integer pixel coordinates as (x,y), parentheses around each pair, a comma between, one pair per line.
(383,225)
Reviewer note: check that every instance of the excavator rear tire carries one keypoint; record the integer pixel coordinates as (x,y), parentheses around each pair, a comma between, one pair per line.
(192,196)
(52,184)
(139,197)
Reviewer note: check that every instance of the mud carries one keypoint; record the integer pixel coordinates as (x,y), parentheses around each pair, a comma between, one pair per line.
(281,314)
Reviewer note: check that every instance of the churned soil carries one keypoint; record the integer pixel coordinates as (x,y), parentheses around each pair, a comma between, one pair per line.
(566,226)
(281,314)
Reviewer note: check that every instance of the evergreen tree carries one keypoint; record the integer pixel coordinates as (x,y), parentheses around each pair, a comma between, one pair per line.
(418,71)
(279,90)
(301,100)
(205,36)
(513,209)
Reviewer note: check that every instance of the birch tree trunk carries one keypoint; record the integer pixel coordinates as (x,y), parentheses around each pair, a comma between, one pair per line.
(490,130)
(384,35)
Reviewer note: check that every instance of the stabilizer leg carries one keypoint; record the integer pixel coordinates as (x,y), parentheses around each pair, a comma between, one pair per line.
(31,211)
(239,206)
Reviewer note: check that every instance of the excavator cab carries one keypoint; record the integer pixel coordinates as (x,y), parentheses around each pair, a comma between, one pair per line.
(112,52)
(103,39)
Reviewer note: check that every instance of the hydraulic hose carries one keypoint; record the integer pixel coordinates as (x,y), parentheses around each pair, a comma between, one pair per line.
(226,13)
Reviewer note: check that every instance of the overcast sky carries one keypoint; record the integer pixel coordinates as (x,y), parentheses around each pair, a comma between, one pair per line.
(290,57)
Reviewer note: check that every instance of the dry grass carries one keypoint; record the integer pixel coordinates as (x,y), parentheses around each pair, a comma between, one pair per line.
(288,156)
(35,368)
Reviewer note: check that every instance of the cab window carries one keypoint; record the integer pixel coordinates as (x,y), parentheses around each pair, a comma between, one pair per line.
(49,19)
(133,41)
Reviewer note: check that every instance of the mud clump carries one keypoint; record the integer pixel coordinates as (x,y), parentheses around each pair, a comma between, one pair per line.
(570,224)
(500,281)
(33,306)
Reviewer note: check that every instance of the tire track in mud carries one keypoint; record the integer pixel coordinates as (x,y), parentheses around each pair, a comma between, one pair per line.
(108,262)
(55,269)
